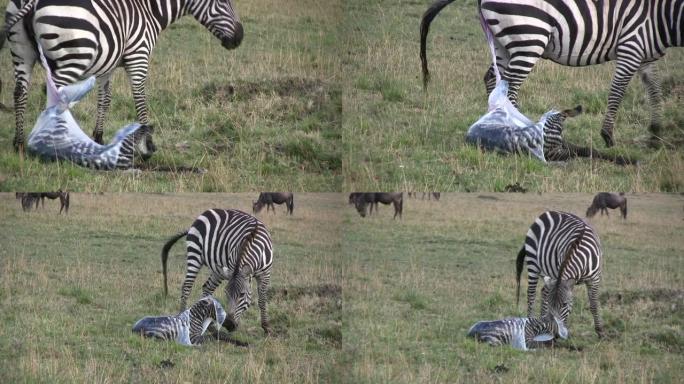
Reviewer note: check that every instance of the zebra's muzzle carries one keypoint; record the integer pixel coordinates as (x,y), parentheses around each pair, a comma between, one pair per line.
(232,42)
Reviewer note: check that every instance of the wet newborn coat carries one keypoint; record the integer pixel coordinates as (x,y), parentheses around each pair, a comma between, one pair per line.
(519,332)
(186,328)
(57,136)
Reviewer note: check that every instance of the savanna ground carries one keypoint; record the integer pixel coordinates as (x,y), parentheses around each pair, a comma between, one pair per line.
(397,137)
(413,287)
(265,115)
(72,286)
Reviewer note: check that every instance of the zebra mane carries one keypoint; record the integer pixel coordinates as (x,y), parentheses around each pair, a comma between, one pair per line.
(568,254)
(243,248)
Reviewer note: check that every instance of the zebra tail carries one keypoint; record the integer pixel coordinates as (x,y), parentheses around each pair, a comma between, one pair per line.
(165,256)
(519,263)
(9,23)
(428,16)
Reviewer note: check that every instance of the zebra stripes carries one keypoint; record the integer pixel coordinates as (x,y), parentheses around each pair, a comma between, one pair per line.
(235,246)
(579,33)
(81,38)
(556,148)
(519,332)
(562,247)
(188,327)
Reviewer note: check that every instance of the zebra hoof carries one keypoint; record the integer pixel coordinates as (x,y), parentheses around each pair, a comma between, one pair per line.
(267,329)
(608,138)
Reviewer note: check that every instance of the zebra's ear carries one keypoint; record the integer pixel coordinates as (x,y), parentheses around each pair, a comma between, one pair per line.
(573,112)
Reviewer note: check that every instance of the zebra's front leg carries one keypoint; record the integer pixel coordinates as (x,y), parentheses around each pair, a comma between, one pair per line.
(625,68)
(138,75)
(592,291)
(263,282)
(104,100)
(544,302)
(649,76)
(210,285)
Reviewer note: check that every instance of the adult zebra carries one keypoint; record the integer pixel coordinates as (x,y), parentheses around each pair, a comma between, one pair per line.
(562,247)
(81,38)
(235,246)
(580,33)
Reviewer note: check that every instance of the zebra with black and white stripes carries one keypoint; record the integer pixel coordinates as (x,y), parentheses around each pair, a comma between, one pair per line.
(82,38)
(235,246)
(580,33)
(188,327)
(556,148)
(565,249)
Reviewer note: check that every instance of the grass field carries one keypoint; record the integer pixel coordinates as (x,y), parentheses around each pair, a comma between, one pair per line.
(415,286)
(71,288)
(266,115)
(396,137)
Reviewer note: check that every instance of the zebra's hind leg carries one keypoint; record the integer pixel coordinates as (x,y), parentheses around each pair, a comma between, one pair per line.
(592,291)
(544,301)
(104,100)
(193,267)
(263,282)
(649,76)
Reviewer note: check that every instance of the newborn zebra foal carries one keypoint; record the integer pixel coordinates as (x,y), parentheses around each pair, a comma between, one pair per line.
(520,332)
(188,327)
(57,136)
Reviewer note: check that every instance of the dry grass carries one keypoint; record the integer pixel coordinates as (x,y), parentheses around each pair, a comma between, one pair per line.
(72,286)
(415,286)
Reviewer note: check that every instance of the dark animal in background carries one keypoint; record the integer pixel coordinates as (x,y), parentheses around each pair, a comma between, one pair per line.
(270,198)
(29,198)
(436,195)
(635,35)
(373,198)
(364,199)
(87,37)
(604,200)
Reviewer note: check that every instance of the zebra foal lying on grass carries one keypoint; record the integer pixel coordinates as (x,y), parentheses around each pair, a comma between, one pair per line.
(57,136)
(523,332)
(83,38)
(186,328)
(520,332)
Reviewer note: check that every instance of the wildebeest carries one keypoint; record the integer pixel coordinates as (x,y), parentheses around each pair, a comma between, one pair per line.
(28,198)
(270,198)
(604,200)
(364,199)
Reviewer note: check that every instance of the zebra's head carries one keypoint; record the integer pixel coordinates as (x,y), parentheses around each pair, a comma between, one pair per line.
(220,18)
(554,121)
(559,298)
(144,146)
(239,295)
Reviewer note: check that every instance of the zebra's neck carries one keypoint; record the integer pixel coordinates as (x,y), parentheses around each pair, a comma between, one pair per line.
(671,16)
(166,12)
